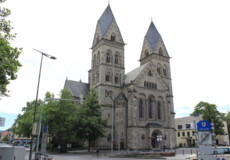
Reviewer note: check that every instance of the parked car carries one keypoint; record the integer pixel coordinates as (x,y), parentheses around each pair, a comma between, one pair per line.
(221,153)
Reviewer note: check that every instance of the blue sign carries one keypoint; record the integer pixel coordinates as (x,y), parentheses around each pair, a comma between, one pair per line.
(204,126)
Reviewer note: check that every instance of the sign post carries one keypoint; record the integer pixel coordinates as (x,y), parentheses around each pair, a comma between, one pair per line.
(2,122)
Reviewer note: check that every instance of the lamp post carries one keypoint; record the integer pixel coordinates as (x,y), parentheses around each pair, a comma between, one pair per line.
(36,101)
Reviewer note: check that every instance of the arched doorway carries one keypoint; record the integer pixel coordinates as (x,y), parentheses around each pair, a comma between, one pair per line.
(156,139)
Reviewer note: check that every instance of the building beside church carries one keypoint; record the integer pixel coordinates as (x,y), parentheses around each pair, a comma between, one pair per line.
(139,104)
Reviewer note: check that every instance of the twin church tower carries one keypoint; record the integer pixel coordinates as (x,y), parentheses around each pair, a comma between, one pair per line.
(138,105)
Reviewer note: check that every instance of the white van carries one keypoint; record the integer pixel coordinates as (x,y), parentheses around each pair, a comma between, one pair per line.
(221,153)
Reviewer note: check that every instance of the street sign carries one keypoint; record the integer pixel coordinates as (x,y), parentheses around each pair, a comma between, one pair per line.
(205,138)
(204,126)
(2,122)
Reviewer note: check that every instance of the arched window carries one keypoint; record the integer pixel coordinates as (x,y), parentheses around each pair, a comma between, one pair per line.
(93,80)
(116,79)
(116,59)
(108,77)
(150,108)
(146,53)
(98,57)
(159,110)
(97,77)
(141,106)
(108,57)
(145,84)
(94,60)
(160,52)
(113,37)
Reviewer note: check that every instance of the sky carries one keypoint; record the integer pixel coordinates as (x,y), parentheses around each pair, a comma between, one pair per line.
(196,34)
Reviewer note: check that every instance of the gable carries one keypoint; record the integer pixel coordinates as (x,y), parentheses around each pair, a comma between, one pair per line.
(146,76)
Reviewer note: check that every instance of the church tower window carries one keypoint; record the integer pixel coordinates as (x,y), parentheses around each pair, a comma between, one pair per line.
(113,37)
(116,79)
(94,60)
(150,108)
(141,105)
(158,110)
(116,59)
(146,53)
(108,57)
(98,57)
(107,77)
(160,52)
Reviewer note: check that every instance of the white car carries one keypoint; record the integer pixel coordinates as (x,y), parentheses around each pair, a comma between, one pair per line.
(221,153)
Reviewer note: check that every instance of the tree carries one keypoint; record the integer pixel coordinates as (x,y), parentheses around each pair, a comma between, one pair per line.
(9,64)
(227,118)
(60,117)
(210,113)
(90,125)
(24,121)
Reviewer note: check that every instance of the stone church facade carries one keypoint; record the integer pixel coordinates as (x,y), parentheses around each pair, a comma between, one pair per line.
(138,105)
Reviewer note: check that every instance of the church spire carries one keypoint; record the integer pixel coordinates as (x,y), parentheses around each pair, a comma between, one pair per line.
(106,20)
(152,36)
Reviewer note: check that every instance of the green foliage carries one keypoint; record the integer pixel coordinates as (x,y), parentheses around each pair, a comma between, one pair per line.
(227,118)
(90,125)
(25,120)
(60,116)
(9,64)
(210,113)
(6,138)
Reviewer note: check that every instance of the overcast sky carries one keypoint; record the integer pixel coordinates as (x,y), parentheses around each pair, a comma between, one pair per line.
(196,34)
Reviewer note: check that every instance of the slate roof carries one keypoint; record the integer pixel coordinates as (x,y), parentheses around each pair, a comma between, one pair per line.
(106,20)
(152,36)
(132,75)
(77,88)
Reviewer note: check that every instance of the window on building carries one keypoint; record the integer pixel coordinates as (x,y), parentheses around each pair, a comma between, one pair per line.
(107,77)
(178,134)
(146,53)
(116,59)
(109,138)
(150,108)
(98,57)
(193,133)
(158,110)
(188,126)
(183,134)
(179,127)
(150,73)
(188,134)
(160,52)
(113,37)
(108,57)
(164,72)
(116,79)
(159,70)
(141,108)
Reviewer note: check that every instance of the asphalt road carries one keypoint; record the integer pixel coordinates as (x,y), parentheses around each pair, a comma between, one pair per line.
(181,155)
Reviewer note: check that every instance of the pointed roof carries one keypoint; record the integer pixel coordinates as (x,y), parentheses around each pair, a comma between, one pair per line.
(106,20)
(152,36)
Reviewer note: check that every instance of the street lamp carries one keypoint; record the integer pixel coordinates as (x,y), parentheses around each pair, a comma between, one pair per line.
(36,101)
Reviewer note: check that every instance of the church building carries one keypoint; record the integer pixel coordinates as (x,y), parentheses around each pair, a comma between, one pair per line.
(138,105)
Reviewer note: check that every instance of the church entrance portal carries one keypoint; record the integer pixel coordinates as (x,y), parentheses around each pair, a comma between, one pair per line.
(156,139)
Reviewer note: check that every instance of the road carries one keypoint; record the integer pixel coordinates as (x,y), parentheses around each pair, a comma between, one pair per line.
(181,155)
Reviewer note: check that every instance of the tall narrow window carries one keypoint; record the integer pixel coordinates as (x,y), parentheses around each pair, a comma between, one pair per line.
(97,77)
(150,108)
(116,79)
(116,59)
(158,110)
(107,77)
(141,108)
(160,52)
(94,60)
(98,57)
(113,37)
(108,57)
